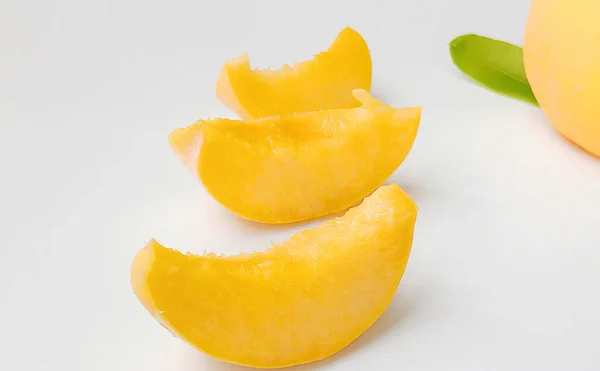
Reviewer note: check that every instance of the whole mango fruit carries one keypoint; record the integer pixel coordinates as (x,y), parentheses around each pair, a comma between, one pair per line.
(561,52)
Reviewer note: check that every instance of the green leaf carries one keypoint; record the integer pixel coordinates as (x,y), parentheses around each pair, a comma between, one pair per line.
(494,64)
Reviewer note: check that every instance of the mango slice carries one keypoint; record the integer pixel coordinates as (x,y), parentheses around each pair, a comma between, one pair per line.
(298,167)
(325,82)
(297,302)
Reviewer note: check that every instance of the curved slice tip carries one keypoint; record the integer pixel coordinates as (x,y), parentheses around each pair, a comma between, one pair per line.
(224,90)
(364,97)
(393,190)
(348,32)
(186,143)
(140,268)
(409,114)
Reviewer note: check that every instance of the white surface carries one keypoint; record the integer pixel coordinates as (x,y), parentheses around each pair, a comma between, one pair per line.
(504,272)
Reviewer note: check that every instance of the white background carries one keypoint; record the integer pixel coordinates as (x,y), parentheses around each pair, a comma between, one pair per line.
(505,267)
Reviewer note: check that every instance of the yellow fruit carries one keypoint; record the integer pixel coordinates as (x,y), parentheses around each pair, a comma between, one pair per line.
(298,167)
(325,82)
(562,59)
(297,302)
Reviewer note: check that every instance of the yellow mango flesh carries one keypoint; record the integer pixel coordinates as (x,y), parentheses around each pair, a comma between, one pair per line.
(297,302)
(561,52)
(298,167)
(325,82)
